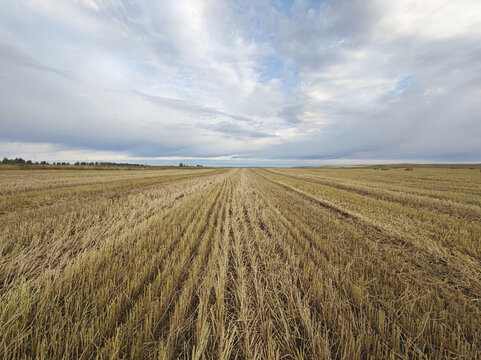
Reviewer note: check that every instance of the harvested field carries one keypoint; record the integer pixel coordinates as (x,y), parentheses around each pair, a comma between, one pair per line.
(301,263)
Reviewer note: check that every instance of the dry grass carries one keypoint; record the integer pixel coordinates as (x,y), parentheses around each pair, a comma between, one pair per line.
(241,264)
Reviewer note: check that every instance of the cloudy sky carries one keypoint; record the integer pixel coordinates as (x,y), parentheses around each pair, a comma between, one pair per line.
(241,82)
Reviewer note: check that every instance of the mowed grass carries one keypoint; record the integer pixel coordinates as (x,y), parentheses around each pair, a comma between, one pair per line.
(241,264)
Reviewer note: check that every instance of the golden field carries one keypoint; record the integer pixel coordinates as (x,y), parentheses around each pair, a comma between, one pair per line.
(300,263)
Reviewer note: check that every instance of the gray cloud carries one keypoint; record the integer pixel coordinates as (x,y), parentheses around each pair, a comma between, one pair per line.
(12,56)
(230,129)
(190,107)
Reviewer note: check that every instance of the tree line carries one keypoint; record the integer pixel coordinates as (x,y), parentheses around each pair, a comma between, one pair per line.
(20,161)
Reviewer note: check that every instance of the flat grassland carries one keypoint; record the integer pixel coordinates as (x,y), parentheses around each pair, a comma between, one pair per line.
(301,263)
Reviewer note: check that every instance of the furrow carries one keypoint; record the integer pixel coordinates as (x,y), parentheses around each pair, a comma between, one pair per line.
(381,259)
(81,229)
(47,198)
(432,204)
(181,325)
(170,272)
(109,266)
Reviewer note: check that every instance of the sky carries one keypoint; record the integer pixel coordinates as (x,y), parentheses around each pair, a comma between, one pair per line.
(248,83)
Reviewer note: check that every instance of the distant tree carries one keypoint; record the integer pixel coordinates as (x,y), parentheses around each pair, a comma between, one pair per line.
(29,162)
(181,165)
(13,161)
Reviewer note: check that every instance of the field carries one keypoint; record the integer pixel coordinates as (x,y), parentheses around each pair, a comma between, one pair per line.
(311,263)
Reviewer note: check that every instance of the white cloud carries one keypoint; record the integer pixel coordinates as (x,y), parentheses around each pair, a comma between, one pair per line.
(429,19)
